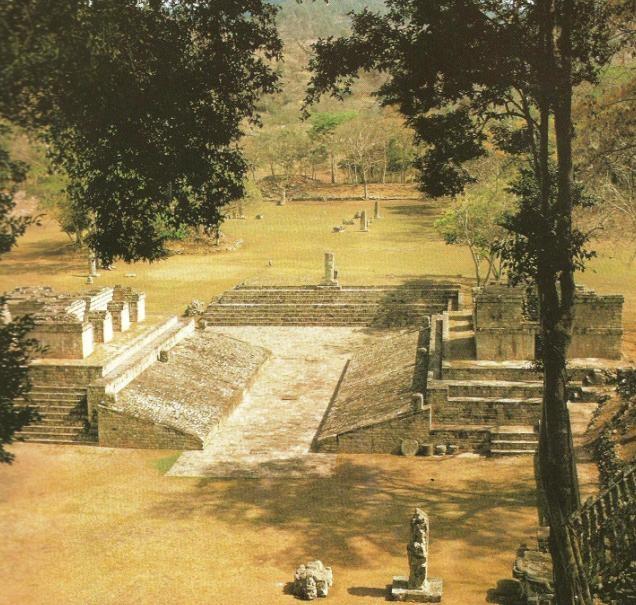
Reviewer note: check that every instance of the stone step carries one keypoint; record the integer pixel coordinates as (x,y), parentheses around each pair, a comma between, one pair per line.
(465,326)
(460,345)
(514,445)
(54,396)
(58,420)
(61,440)
(514,433)
(488,410)
(50,409)
(500,452)
(475,370)
(495,388)
(71,390)
(51,430)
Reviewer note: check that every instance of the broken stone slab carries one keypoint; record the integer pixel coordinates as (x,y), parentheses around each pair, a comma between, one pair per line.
(312,580)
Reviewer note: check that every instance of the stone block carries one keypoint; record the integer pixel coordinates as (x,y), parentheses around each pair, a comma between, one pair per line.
(64,337)
(120,313)
(102,322)
(431,593)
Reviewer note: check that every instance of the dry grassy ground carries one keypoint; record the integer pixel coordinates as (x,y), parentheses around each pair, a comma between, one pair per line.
(101,526)
(401,246)
(87,525)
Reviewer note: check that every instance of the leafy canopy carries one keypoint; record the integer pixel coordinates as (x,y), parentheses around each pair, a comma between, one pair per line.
(141,102)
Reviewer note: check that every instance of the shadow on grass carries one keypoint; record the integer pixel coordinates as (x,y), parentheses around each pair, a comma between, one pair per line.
(359,501)
(364,591)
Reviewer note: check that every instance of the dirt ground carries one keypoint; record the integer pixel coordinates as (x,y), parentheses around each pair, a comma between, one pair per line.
(84,525)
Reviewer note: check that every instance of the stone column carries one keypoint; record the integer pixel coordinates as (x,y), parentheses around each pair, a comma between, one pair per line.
(364,221)
(330,269)
(417,587)
(417,550)
(92,264)
(283,199)
(376,210)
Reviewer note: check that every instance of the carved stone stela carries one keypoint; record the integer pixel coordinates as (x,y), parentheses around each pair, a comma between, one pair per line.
(418,587)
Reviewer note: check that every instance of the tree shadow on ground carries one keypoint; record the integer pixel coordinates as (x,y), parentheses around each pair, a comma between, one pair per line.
(360,501)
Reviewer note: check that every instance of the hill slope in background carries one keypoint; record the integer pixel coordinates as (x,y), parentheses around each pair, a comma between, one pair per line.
(309,19)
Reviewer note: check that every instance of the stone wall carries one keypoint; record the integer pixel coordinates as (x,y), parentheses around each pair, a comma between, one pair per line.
(381,438)
(123,430)
(503,332)
(64,339)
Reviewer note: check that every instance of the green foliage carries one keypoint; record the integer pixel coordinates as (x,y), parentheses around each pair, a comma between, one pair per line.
(475,220)
(142,104)
(534,230)
(16,347)
(497,59)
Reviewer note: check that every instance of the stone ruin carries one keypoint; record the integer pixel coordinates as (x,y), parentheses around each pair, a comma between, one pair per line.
(312,580)
(331,273)
(68,326)
(417,587)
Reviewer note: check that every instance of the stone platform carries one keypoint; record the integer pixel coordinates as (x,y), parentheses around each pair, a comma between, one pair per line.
(400,591)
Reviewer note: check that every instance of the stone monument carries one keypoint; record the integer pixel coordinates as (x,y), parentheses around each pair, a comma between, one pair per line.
(364,221)
(376,210)
(418,587)
(312,581)
(330,270)
(92,265)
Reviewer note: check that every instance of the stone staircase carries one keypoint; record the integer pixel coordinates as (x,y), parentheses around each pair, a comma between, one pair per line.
(331,305)
(513,441)
(63,415)
(505,399)
(459,340)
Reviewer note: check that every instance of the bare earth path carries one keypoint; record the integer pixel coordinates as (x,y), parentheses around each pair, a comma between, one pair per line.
(271,431)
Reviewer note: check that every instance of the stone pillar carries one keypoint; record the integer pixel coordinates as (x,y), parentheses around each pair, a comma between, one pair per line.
(364,221)
(282,201)
(92,264)
(330,269)
(376,210)
(417,587)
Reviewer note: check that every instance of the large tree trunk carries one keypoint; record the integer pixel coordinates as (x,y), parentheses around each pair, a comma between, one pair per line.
(555,284)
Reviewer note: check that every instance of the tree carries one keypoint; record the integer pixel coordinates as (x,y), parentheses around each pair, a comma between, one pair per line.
(324,130)
(606,146)
(16,347)
(475,219)
(362,147)
(457,70)
(141,104)
(289,147)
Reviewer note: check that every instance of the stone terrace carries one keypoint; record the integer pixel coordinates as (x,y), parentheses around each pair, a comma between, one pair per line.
(334,305)
(204,378)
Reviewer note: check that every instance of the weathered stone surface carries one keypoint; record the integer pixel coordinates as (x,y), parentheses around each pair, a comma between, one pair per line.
(312,580)
(200,382)
(417,587)
(409,447)
(196,307)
